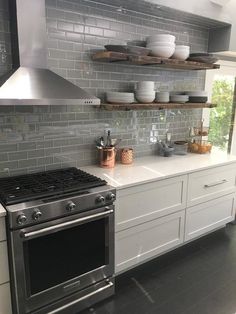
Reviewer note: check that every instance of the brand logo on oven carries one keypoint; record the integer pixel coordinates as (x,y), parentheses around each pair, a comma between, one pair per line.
(72,286)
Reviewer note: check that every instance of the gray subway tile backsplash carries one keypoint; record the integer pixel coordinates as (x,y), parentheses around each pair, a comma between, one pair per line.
(37,138)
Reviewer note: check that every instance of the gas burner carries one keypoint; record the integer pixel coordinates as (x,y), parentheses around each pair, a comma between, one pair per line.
(35,186)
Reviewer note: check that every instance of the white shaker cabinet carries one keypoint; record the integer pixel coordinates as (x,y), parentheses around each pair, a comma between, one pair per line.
(203,218)
(142,242)
(208,184)
(149,220)
(149,201)
(155,217)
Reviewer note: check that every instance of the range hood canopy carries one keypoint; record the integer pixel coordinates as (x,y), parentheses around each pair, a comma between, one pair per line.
(31,82)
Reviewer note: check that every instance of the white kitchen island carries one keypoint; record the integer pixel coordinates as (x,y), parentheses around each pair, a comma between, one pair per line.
(165,202)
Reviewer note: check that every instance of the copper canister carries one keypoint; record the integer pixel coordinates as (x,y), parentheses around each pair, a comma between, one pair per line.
(108,157)
(127,156)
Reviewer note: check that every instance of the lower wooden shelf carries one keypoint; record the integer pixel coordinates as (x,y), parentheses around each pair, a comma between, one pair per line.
(156,106)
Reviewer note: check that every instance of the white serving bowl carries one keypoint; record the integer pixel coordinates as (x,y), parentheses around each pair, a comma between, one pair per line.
(144,98)
(181,52)
(180,55)
(145,85)
(161,38)
(179,98)
(162,51)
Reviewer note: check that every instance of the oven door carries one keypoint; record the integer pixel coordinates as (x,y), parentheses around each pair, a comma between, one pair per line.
(55,259)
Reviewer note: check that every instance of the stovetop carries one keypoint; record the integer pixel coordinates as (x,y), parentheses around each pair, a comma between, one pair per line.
(18,189)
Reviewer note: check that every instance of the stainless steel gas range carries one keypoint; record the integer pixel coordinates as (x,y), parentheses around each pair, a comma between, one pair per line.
(61,240)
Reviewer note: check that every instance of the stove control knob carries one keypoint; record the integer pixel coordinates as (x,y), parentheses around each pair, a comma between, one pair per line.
(100,199)
(21,219)
(37,214)
(111,197)
(70,206)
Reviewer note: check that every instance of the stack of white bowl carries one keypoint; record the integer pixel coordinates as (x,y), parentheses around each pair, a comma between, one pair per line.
(145,91)
(162,97)
(120,97)
(161,45)
(181,52)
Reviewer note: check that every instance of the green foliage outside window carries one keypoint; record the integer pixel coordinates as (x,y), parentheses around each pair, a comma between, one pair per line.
(220,117)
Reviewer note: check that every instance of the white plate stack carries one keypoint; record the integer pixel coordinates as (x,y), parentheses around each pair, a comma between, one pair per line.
(120,97)
(162,45)
(144,92)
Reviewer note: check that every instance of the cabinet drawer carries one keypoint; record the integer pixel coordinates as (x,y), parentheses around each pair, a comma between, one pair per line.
(2,229)
(5,299)
(149,201)
(147,240)
(4,270)
(208,216)
(209,184)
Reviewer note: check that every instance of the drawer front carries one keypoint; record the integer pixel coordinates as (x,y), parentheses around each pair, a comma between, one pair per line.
(2,229)
(149,201)
(209,184)
(4,270)
(5,299)
(201,219)
(134,245)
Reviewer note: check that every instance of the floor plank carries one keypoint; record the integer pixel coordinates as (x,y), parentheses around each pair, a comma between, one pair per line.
(199,278)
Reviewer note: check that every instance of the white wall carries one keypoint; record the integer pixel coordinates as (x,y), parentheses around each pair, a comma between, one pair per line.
(226,13)
(206,8)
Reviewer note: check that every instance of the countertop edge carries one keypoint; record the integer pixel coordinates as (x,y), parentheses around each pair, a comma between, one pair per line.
(181,173)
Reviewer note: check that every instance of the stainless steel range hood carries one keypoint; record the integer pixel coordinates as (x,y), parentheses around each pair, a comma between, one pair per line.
(30,82)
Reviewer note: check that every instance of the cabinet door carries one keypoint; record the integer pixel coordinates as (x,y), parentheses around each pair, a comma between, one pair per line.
(2,229)
(4,270)
(149,201)
(212,183)
(135,245)
(208,216)
(5,299)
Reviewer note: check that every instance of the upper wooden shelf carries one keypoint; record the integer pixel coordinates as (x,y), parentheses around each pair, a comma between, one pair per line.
(111,56)
(154,106)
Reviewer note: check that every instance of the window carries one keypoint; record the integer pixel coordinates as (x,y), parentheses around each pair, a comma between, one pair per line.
(221,86)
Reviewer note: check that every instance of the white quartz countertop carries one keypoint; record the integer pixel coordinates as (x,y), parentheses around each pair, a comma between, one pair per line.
(2,211)
(151,168)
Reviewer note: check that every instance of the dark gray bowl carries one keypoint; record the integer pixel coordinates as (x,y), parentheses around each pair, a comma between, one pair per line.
(198,99)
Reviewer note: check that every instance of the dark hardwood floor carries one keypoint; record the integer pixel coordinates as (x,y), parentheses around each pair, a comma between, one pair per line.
(199,278)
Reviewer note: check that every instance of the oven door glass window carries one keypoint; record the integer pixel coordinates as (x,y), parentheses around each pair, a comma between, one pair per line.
(60,256)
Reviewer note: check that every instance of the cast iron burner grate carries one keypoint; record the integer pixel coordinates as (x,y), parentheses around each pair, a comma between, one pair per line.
(34,186)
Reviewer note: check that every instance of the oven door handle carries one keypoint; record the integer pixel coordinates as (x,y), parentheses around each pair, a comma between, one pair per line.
(64,224)
(108,285)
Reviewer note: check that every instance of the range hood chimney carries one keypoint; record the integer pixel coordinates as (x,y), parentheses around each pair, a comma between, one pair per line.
(31,82)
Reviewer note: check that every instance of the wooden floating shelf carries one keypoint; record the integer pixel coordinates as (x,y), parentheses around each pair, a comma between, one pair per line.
(111,56)
(154,106)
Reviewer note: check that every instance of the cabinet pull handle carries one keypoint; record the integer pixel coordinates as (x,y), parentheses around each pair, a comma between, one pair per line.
(215,183)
